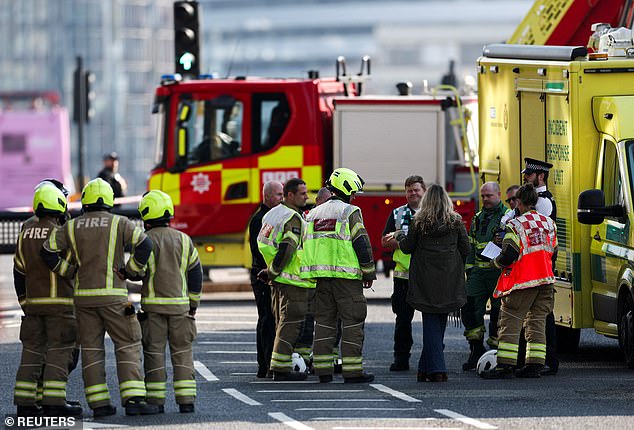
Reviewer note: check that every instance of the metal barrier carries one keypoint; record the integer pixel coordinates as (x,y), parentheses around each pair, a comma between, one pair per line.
(11,224)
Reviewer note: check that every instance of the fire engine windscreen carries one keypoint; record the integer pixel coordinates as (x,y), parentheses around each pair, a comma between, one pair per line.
(212,129)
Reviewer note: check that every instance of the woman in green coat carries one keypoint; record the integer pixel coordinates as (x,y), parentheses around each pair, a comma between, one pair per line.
(439,245)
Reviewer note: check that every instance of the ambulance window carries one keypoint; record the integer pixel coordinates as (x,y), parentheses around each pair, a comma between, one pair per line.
(214,129)
(612,186)
(271,115)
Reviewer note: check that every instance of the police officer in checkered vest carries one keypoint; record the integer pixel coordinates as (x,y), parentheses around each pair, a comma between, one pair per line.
(526,287)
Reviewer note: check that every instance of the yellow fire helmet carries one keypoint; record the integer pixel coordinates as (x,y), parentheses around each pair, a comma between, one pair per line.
(48,199)
(97,193)
(156,205)
(345,181)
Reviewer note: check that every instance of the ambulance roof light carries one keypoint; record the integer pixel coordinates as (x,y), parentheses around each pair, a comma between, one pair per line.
(171,79)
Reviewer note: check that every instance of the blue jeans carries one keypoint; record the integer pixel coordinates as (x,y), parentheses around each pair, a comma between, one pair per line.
(432,359)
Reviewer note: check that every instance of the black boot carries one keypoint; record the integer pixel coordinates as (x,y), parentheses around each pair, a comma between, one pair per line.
(66,410)
(529,371)
(104,411)
(29,411)
(138,406)
(361,379)
(501,371)
(186,408)
(477,349)
(400,364)
(289,376)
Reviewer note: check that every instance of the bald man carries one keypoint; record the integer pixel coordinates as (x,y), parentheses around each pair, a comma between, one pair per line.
(481,277)
(272,194)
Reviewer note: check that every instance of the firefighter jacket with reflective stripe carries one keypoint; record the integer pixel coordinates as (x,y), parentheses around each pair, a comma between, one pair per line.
(535,237)
(328,248)
(165,287)
(402,218)
(97,241)
(283,225)
(39,290)
(484,225)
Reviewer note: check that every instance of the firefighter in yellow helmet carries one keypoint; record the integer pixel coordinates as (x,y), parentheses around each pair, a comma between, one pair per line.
(48,329)
(170,297)
(97,240)
(338,255)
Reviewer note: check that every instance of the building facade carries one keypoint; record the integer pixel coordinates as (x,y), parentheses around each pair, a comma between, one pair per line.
(128,45)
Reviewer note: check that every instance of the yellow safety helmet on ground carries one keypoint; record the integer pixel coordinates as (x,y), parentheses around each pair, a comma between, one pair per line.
(48,199)
(345,181)
(156,205)
(97,193)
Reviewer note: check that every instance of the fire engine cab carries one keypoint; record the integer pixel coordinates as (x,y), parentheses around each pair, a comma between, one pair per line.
(220,140)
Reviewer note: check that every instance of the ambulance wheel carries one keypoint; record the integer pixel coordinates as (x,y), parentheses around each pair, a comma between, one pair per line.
(626,337)
(567,339)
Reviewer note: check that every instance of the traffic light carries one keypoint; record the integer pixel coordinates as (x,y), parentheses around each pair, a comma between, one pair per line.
(83,95)
(89,94)
(186,38)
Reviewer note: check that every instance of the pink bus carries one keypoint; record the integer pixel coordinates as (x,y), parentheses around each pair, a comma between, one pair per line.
(34,144)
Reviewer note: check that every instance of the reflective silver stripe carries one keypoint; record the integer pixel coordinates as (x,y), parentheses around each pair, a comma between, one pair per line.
(19,260)
(319,235)
(112,242)
(165,300)
(151,264)
(399,274)
(326,268)
(292,277)
(193,258)
(73,242)
(102,292)
(135,235)
(183,268)
(52,278)
(48,301)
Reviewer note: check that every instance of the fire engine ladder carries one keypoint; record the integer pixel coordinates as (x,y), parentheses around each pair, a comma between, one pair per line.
(568,22)
(353,84)
(458,118)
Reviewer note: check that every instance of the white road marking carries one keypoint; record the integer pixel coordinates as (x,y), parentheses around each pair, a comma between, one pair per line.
(242,373)
(254,322)
(238,362)
(225,343)
(309,391)
(329,400)
(371,419)
(230,331)
(395,393)
(286,420)
(395,428)
(466,420)
(355,409)
(204,372)
(242,397)
(232,352)
(89,425)
(270,381)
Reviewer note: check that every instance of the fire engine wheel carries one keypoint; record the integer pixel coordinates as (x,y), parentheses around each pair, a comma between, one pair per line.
(626,336)
(567,339)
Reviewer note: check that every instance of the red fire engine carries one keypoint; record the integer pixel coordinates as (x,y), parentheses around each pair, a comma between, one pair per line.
(220,140)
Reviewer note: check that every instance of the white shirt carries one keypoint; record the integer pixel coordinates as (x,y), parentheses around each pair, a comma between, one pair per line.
(544,206)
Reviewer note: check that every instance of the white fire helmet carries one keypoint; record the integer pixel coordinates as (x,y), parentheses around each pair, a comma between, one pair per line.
(299,365)
(487,362)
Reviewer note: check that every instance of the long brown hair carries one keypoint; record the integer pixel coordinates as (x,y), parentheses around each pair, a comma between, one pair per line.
(436,209)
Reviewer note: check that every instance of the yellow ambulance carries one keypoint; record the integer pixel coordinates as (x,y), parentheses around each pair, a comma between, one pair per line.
(576,111)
